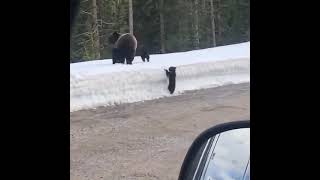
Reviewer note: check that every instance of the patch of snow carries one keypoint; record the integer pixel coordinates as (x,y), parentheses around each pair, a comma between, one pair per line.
(101,83)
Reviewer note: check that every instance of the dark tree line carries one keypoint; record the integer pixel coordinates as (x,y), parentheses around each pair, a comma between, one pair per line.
(161,26)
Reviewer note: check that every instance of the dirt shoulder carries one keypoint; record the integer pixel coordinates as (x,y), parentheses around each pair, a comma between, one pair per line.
(148,140)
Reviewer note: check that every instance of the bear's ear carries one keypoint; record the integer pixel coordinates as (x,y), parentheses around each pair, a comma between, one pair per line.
(116,33)
(172,68)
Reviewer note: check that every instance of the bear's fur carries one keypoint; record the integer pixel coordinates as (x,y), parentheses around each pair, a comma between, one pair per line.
(171,74)
(124,49)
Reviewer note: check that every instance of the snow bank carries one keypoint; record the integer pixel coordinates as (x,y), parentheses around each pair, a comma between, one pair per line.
(100,83)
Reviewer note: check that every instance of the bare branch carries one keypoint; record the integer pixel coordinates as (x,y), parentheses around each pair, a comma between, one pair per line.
(85,12)
(85,33)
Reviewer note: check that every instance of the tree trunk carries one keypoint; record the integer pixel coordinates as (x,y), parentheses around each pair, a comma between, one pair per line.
(130,17)
(95,30)
(116,18)
(203,6)
(204,15)
(162,33)
(213,24)
(196,40)
(181,27)
(218,22)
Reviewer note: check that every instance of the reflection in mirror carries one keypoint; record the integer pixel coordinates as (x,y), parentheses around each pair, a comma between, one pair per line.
(225,157)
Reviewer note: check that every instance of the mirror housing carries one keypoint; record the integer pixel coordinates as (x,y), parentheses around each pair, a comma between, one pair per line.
(192,159)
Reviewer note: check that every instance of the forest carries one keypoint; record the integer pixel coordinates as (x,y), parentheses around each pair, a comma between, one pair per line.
(160,26)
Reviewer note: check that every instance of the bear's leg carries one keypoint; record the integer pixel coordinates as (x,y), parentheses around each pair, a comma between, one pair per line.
(117,56)
(167,73)
(142,58)
(130,56)
(114,55)
(129,60)
(122,60)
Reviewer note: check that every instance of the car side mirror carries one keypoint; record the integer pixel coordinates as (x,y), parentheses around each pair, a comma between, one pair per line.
(219,153)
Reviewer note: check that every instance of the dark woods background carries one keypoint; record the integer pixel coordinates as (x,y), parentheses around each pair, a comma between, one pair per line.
(161,26)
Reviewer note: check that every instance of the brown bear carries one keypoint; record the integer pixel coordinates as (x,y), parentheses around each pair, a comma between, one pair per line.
(124,49)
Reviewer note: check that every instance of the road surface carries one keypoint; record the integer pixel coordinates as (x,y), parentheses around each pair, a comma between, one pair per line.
(148,140)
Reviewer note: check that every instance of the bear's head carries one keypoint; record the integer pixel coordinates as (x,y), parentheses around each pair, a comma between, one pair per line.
(172,69)
(113,37)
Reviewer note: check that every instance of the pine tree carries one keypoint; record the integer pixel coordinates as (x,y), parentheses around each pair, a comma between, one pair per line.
(162,26)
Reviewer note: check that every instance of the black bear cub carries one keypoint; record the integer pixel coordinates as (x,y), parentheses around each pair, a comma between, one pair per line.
(124,49)
(171,74)
(144,54)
